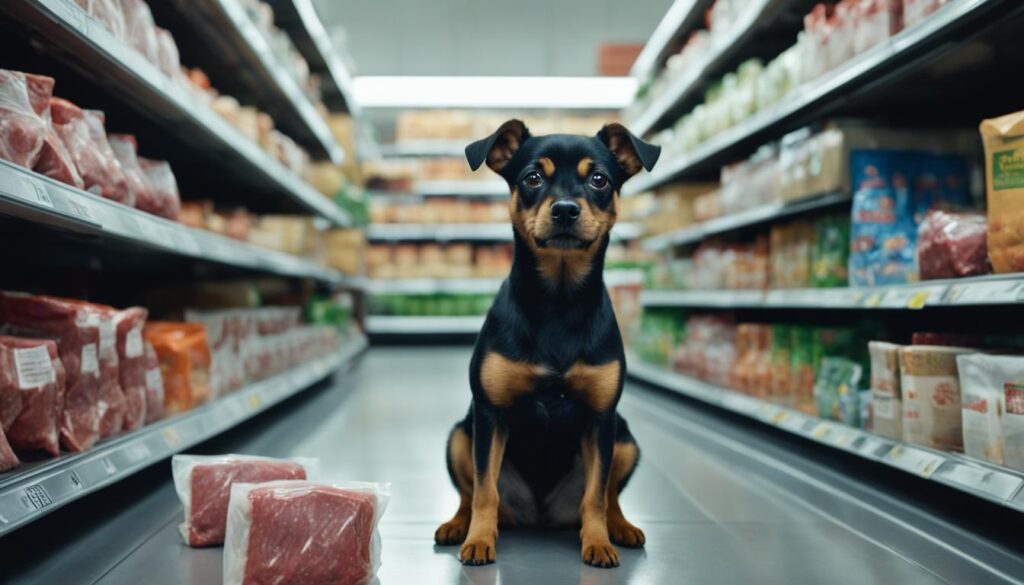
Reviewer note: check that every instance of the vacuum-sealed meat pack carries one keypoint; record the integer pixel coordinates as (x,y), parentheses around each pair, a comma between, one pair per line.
(131,354)
(31,394)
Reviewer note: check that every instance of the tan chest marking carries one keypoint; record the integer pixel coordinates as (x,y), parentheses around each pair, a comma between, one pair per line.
(505,380)
(596,386)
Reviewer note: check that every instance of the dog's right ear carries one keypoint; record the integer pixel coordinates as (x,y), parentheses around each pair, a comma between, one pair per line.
(498,148)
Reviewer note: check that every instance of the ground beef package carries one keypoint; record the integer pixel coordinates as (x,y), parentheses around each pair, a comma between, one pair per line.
(204,485)
(154,385)
(75,328)
(21,127)
(98,167)
(31,394)
(931,396)
(303,532)
(131,354)
(112,400)
(952,245)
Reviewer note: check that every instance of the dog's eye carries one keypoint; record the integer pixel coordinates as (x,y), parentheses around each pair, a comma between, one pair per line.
(533,180)
(598,181)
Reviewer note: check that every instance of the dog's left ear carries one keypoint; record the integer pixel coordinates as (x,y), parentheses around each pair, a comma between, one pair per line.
(631,152)
(498,148)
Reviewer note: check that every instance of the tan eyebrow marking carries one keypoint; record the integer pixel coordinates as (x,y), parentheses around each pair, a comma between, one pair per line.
(547,166)
(584,166)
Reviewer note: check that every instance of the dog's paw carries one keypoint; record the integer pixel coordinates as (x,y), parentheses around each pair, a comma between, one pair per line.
(627,535)
(477,552)
(451,532)
(600,555)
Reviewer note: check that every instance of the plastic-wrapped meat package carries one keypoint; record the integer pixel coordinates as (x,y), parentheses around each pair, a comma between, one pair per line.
(21,128)
(76,330)
(124,148)
(140,30)
(304,532)
(914,11)
(166,201)
(184,363)
(840,31)
(31,394)
(167,50)
(930,386)
(204,485)
(111,397)
(154,385)
(982,381)
(101,174)
(876,21)
(108,12)
(54,158)
(131,354)
(119,189)
(952,245)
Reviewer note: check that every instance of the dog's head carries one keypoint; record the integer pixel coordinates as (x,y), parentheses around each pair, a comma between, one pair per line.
(565,188)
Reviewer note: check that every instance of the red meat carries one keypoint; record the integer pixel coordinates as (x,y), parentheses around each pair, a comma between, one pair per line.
(309,534)
(31,394)
(98,167)
(21,127)
(140,30)
(131,354)
(76,331)
(124,148)
(154,385)
(166,202)
(952,245)
(112,400)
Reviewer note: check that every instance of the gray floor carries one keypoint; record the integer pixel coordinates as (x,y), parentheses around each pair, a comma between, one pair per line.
(716,508)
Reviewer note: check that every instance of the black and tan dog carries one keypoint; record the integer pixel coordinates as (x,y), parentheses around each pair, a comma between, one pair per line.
(542,444)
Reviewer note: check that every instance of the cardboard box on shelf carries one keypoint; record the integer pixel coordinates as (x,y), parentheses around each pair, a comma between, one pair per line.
(286,233)
(343,250)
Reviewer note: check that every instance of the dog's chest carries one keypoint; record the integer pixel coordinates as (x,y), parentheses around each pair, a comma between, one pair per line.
(506,381)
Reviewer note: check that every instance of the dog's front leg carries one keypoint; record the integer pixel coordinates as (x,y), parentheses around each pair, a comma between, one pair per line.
(596,449)
(489,437)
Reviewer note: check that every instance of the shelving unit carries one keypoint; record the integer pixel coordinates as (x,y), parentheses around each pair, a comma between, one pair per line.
(681,16)
(36,489)
(424,148)
(394,325)
(501,232)
(84,44)
(994,483)
(423,286)
(46,202)
(908,50)
(450,188)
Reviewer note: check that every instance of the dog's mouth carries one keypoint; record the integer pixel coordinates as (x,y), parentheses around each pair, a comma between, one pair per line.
(563,241)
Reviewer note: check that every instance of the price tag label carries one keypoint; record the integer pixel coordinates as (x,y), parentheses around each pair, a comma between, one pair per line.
(35,192)
(78,207)
(255,401)
(171,437)
(913,460)
(842,438)
(874,299)
(981,479)
(821,431)
(986,293)
(917,300)
(871,446)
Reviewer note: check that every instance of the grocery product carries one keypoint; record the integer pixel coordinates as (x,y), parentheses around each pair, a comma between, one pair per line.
(32,383)
(118,188)
(111,396)
(802,372)
(163,198)
(781,366)
(831,251)
(100,175)
(132,360)
(75,328)
(124,147)
(204,485)
(1004,177)
(184,363)
(21,127)
(108,12)
(984,380)
(140,30)
(293,531)
(54,160)
(154,385)
(951,245)
(836,390)
(930,390)
(885,389)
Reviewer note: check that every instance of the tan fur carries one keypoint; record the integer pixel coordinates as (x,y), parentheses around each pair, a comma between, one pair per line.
(479,546)
(597,548)
(547,166)
(622,531)
(505,380)
(460,450)
(596,386)
(584,166)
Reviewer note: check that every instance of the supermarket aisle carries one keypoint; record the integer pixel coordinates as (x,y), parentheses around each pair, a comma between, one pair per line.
(715,510)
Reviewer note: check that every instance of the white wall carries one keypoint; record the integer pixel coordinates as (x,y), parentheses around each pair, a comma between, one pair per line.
(486,37)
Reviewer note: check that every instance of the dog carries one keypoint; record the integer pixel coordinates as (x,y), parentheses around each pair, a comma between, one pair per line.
(542,443)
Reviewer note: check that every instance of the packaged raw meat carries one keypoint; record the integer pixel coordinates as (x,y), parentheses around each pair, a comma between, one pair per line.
(983,379)
(108,12)
(31,394)
(76,330)
(100,174)
(876,21)
(166,201)
(167,50)
(131,354)
(930,386)
(304,532)
(950,339)
(119,190)
(204,485)
(124,148)
(21,128)
(914,11)
(154,385)
(1004,177)
(112,399)
(140,30)
(885,389)
(951,245)
(184,363)
(54,160)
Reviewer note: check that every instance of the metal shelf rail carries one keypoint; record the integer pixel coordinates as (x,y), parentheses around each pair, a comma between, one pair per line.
(999,289)
(991,482)
(419,325)
(88,46)
(429,286)
(36,198)
(35,489)
(816,97)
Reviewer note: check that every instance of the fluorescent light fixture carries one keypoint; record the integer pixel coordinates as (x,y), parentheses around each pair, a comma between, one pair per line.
(604,93)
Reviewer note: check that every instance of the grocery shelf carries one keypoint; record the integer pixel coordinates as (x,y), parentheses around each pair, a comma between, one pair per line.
(425,148)
(424,286)
(681,16)
(465,231)
(905,51)
(419,325)
(449,188)
(696,76)
(33,490)
(693,234)
(233,38)
(33,197)
(1001,289)
(994,483)
(85,44)
(303,25)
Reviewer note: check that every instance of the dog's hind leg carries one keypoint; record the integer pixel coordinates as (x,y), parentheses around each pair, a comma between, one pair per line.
(460,468)
(622,531)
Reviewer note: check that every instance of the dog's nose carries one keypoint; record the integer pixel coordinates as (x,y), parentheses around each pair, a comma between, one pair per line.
(565,213)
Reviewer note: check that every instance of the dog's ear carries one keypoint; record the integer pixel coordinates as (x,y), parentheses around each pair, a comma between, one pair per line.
(631,152)
(498,148)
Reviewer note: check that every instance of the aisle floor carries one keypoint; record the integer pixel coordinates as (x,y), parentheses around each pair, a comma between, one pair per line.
(714,510)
